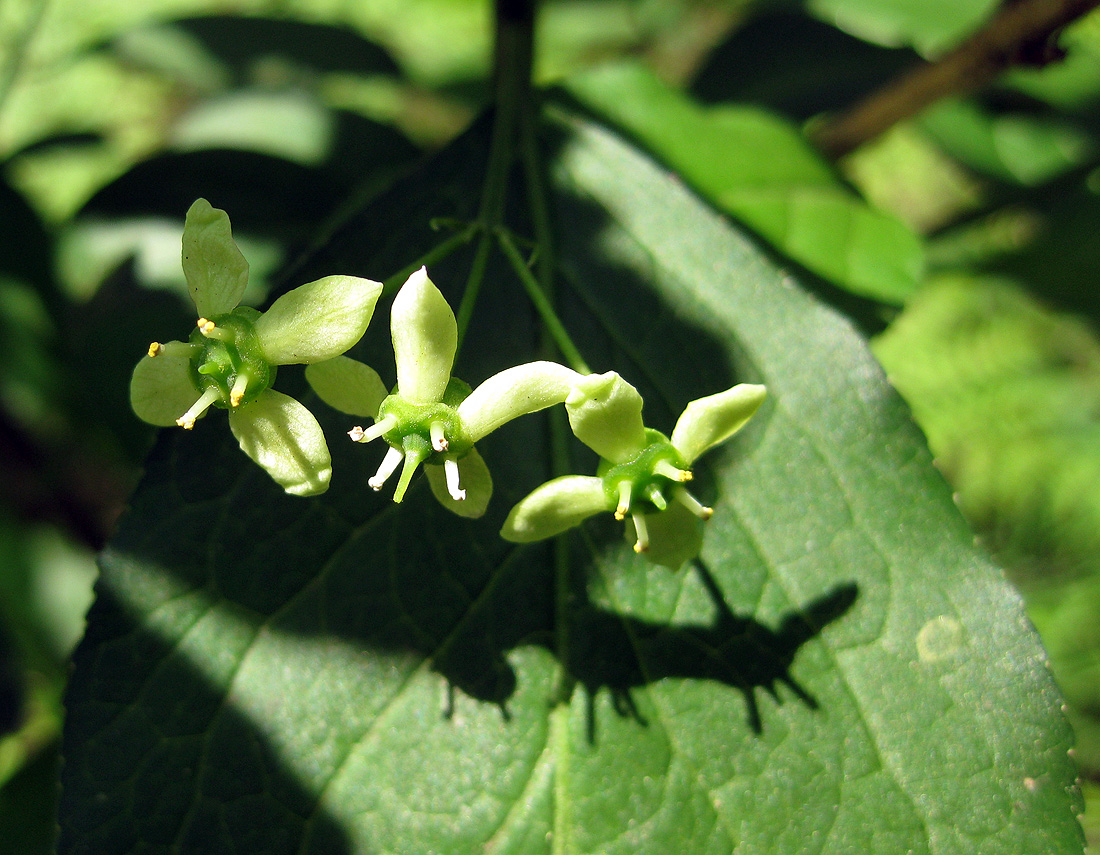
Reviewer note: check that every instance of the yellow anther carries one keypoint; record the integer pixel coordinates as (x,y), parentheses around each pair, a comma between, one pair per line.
(155,348)
(205,326)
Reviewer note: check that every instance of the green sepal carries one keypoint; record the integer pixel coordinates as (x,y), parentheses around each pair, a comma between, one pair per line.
(347,385)
(318,320)
(162,388)
(605,413)
(284,438)
(214,267)
(425,339)
(554,507)
(474,478)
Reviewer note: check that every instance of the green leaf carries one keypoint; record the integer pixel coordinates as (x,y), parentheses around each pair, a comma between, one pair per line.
(1016,147)
(842,672)
(932,26)
(759,169)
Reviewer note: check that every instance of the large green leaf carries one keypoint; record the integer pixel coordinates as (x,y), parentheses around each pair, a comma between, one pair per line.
(841,672)
(758,168)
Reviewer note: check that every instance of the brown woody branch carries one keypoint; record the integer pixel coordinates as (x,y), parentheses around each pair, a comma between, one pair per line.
(1021,33)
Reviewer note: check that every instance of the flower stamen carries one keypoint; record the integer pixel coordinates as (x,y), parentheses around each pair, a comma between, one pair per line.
(389,464)
(240,386)
(155,348)
(642,544)
(450,470)
(187,420)
(376,430)
(653,493)
(623,507)
(663,467)
(685,498)
(439,438)
(208,329)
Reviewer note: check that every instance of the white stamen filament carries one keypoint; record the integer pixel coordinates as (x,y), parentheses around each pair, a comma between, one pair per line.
(439,438)
(187,420)
(642,532)
(663,467)
(389,465)
(208,329)
(450,469)
(654,495)
(685,498)
(240,386)
(623,507)
(377,429)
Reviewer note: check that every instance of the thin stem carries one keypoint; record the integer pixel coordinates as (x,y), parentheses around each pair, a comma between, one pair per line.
(513,50)
(1011,37)
(542,304)
(433,255)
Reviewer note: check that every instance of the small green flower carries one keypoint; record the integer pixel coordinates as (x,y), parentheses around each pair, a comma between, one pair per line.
(642,472)
(230,359)
(430,417)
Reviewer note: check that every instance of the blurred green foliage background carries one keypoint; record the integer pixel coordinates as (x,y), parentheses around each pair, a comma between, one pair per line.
(115,115)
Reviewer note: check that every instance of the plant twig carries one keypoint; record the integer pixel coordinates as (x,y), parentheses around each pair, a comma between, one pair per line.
(1021,33)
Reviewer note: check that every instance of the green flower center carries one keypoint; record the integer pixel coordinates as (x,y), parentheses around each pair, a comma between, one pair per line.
(231,361)
(424,431)
(647,479)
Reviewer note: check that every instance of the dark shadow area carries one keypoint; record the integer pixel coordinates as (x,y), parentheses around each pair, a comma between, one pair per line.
(173,766)
(621,653)
(239,42)
(788,62)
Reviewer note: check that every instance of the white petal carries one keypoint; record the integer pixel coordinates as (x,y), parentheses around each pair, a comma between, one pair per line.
(318,320)
(473,477)
(605,413)
(161,389)
(515,392)
(216,271)
(675,536)
(425,338)
(284,438)
(348,386)
(709,421)
(554,507)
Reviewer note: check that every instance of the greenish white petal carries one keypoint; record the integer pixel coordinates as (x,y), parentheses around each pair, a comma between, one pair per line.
(284,438)
(347,385)
(161,389)
(555,507)
(709,421)
(318,320)
(605,413)
(473,477)
(425,339)
(515,392)
(216,271)
(675,536)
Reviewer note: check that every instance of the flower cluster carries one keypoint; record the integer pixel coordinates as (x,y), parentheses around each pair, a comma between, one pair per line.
(430,419)
(642,472)
(229,360)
